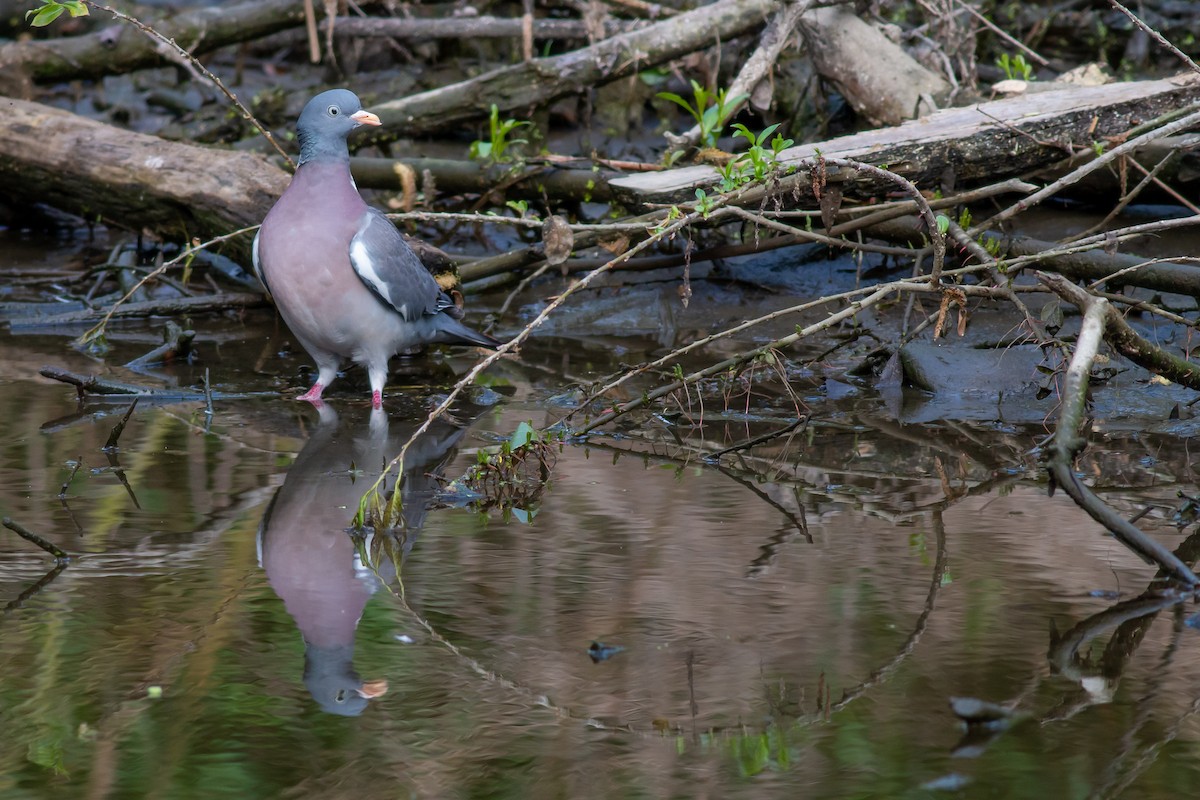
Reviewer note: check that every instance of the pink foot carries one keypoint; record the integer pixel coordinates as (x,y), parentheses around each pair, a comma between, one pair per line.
(313,395)
(376,399)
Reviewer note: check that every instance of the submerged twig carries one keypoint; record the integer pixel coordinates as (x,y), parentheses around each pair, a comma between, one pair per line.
(1067,443)
(42,583)
(93,384)
(119,428)
(29,536)
(62,492)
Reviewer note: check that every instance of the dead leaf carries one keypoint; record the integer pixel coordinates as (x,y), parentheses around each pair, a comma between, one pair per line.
(615,244)
(831,203)
(557,240)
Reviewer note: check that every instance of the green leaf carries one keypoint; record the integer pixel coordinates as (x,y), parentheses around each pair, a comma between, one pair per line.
(46,14)
(76,8)
(744,132)
(522,436)
(679,101)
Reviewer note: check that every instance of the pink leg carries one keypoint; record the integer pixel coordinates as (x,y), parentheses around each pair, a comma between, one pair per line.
(376,399)
(313,395)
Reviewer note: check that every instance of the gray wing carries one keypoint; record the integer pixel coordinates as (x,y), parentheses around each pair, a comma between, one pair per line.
(390,269)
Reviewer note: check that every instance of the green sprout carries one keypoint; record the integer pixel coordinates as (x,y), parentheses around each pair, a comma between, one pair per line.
(733,174)
(711,110)
(1015,67)
(761,159)
(496,149)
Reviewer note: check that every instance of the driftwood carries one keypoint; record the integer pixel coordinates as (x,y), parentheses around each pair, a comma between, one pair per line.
(182,191)
(121,48)
(541,80)
(992,140)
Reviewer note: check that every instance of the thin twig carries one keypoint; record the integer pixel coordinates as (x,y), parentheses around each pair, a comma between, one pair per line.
(397,463)
(1181,124)
(1156,36)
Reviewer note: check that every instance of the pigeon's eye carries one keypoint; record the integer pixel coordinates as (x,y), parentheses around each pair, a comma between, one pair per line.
(334,111)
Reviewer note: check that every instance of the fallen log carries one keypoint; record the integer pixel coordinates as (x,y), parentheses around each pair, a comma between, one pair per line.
(136,181)
(541,80)
(993,140)
(1089,265)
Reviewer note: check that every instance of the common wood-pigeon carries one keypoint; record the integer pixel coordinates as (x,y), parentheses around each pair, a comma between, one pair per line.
(343,278)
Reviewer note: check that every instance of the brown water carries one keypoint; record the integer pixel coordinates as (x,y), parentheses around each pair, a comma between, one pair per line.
(793,621)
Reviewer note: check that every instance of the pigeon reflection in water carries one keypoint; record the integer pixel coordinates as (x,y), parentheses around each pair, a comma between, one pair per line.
(309,557)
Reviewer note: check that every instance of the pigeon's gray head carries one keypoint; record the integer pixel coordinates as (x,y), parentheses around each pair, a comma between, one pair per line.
(326,122)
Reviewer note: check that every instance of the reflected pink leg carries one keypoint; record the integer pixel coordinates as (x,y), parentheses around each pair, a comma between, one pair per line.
(376,399)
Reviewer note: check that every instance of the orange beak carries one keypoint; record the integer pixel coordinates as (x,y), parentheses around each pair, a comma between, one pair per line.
(364,117)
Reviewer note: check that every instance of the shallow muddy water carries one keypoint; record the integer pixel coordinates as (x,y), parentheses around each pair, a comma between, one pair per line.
(792,621)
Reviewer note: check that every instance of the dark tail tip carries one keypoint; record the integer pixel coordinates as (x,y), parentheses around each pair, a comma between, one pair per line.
(454,332)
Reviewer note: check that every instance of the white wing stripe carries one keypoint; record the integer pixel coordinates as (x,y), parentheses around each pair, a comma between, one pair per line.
(362,263)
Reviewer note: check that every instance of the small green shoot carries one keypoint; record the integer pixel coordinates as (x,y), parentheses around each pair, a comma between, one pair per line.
(519,206)
(761,159)
(497,148)
(779,144)
(673,213)
(704,203)
(1015,67)
(711,110)
(513,474)
(943,223)
(733,174)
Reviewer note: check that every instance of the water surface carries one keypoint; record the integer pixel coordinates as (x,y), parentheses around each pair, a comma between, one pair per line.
(790,622)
